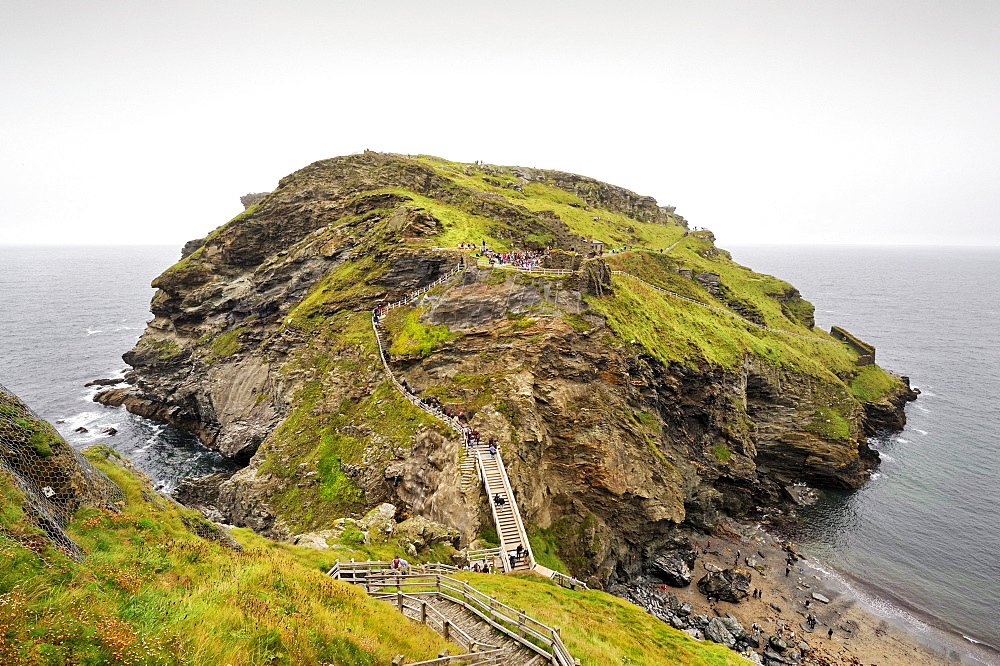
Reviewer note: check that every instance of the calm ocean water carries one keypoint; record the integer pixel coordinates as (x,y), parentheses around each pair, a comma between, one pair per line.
(67,314)
(924,534)
(922,539)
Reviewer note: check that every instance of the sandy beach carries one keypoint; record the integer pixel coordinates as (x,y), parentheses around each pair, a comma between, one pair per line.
(847,631)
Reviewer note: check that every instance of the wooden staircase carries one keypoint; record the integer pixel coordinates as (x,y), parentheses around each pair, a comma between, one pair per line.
(514,653)
(488,629)
(476,459)
(510,528)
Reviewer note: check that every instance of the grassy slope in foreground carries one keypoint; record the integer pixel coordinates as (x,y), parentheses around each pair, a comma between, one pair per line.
(151,592)
(599,628)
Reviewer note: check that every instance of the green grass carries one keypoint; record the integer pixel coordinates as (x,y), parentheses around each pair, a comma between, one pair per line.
(151,592)
(599,628)
(676,331)
(545,548)
(411,337)
(309,442)
(577,322)
(520,321)
(41,437)
(613,228)
(872,383)
(345,286)
(226,344)
(489,535)
(164,348)
(828,422)
(721,453)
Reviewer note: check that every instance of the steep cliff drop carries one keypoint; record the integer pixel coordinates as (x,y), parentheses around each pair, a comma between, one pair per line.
(640,383)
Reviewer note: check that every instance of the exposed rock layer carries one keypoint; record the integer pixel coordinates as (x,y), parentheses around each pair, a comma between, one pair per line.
(261,345)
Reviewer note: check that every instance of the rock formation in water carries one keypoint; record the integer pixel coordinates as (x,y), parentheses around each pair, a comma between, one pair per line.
(627,415)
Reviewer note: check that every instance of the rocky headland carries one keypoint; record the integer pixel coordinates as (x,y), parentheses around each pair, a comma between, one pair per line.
(632,420)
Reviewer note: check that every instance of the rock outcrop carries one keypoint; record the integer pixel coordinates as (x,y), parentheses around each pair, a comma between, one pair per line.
(627,417)
(732,585)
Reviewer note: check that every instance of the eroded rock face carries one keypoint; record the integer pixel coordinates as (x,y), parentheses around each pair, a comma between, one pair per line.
(261,345)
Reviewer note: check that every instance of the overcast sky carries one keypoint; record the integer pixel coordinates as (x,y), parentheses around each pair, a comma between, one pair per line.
(767,122)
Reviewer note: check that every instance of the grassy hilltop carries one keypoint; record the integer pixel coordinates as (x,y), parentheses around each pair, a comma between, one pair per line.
(626,414)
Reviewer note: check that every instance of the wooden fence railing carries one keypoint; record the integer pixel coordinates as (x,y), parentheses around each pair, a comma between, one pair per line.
(568,581)
(418,609)
(470,659)
(509,493)
(484,554)
(513,623)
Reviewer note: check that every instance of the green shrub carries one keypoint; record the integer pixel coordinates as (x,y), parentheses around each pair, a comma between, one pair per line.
(722,453)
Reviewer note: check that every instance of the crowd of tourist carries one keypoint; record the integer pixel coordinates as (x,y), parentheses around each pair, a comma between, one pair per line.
(520,259)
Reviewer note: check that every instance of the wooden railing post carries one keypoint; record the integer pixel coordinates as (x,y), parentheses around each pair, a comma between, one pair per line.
(423,612)
(399,599)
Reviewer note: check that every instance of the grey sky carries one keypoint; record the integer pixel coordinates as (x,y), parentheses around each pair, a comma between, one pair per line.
(770,122)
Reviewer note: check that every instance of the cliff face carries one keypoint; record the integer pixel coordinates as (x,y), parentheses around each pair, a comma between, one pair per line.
(626,414)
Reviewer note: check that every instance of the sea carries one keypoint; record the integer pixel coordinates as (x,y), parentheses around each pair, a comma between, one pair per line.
(67,314)
(919,544)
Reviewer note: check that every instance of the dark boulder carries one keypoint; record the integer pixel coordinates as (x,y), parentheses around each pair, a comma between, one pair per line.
(732,585)
(671,569)
(734,627)
(778,643)
(717,632)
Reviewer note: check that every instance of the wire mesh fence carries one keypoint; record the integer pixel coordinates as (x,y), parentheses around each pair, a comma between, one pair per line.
(54,478)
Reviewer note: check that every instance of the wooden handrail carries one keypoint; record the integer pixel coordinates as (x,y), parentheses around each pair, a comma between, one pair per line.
(504,561)
(471,659)
(563,580)
(492,611)
(483,553)
(515,511)
(398,599)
